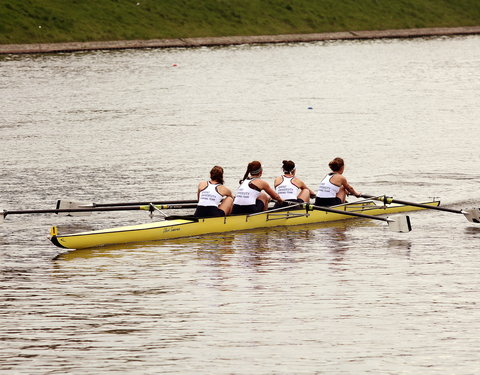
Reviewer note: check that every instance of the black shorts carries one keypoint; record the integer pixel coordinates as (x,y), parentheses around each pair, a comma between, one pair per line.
(250,209)
(326,202)
(208,211)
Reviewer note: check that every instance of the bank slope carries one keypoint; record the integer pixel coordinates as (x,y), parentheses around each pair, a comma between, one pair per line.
(51,21)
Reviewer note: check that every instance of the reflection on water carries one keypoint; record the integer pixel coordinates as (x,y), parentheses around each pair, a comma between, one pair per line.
(336,241)
(258,240)
(347,297)
(401,244)
(401,247)
(473,231)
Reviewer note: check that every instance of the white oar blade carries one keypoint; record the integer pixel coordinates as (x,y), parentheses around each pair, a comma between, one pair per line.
(473,215)
(68,205)
(400,224)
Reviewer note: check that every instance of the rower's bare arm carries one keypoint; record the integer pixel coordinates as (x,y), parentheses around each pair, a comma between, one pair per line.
(226,192)
(302,185)
(350,190)
(202,185)
(278,181)
(273,194)
(299,183)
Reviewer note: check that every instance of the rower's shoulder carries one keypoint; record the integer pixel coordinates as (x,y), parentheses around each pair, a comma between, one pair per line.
(278,180)
(297,181)
(260,183)
(222,189)
(340,180)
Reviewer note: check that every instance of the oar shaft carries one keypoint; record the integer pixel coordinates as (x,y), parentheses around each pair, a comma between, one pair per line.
(142,203)
(402,224)
(146,207)
(389,200)
(341,212)
(68,210)
(348,213)
(171,206)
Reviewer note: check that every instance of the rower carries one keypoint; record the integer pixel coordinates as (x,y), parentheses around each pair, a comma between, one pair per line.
(334,187)
(291,188)
(252,195)
(214,199)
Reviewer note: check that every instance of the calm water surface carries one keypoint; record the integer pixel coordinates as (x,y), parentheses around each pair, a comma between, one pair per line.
(345,298)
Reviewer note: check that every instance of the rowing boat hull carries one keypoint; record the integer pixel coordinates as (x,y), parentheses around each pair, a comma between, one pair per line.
(178,228)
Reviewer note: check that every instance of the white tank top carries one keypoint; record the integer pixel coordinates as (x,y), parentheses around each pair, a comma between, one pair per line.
(210,196)
(286,189)
(246,196)
(327,189)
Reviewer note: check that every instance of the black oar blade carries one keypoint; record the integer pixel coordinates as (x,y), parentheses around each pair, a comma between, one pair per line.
(472,215)
(400,224)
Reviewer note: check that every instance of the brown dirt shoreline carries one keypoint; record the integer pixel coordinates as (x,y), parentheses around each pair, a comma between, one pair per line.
(234,40)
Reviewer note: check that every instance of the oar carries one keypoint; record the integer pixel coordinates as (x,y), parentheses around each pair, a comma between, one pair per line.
(69,205)
(150,207)
(472,214)
(402,224)
(72,204)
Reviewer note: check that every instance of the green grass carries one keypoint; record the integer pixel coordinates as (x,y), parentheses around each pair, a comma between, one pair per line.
(43,21)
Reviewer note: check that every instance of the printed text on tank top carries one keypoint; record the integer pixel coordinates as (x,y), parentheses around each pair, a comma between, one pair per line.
(287,189)
(247,193)
(210,195)
(327,189)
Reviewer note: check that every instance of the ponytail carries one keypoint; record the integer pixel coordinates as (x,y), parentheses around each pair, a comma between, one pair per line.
(245,176)
(255,167)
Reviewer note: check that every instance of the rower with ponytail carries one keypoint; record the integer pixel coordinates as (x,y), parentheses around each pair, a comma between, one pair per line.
(254,193)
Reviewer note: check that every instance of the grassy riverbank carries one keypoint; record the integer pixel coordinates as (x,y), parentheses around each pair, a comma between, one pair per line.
(49,21)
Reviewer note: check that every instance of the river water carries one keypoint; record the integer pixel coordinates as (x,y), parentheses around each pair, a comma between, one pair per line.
(345,298)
